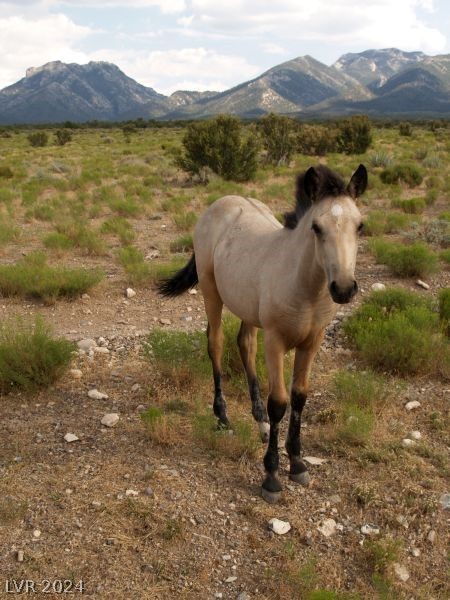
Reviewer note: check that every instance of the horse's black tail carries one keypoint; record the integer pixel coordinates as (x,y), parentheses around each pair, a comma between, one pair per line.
(181,282)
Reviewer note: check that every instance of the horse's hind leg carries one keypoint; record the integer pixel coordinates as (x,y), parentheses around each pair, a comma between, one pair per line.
(248,345)
(213,307)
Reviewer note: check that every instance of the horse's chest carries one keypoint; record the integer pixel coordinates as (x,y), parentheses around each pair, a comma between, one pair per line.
(303,325)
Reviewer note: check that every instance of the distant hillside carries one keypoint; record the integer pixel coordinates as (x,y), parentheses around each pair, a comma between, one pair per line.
(379,82)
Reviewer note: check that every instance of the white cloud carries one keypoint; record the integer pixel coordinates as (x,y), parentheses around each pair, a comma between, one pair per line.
(166,6)
(374,23)
(192,68)
(33,42)
(270,48)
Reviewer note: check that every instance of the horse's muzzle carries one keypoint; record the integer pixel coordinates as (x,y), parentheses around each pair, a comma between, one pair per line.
(343,294)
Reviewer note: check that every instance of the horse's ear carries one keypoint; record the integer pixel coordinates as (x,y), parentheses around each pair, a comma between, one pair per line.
(311,183)
(358,182)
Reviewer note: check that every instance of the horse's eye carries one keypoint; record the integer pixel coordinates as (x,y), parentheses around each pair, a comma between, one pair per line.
(316,228)
(360,227)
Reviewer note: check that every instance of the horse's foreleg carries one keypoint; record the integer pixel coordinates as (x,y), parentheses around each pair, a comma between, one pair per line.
(248,345)
(213,307)
(276,407)
(304,357)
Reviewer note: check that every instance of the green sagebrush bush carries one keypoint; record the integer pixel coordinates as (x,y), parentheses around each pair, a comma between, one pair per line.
(403,260)
(409,174)
(354,135)
(221,145)
(278,139)
(38,139)
(30,356)
(397,331)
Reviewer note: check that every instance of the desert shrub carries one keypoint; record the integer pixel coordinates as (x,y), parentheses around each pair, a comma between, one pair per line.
(432,161)
(405,129)
(57,241)
(182,244)
(437,231)
(397,331)
(161,427)
(31,277)
(380,158)
(6,172)
(82,236)
(120,227)
(405,261)
(140,271)
(408,174)
(413,206)
(185,221)
(316,140)
(354,136)
(38,139)
(63,136)
(30,357)
(431,196)
(125,207)
(277,134)
(220,145)
(378,222)
(243,443)
(444,308)
(8,232)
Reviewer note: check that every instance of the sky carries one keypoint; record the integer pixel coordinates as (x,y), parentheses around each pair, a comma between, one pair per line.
(208,44)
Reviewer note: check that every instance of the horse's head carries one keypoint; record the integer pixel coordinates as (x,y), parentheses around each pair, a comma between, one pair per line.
(335,223)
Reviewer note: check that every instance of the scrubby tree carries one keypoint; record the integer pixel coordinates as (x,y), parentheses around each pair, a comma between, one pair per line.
(405,129)
(277,134)
(63,136)
(38,139)
(222,146)
(354,136)
(316,140)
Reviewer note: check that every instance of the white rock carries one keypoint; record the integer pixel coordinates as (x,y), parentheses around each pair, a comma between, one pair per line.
(431,537)
(101,350)
(407,443)
(152,254)
(378,287)
(37,533)
(415,435)
(369,529)
(131,493)
(19,555)
(86,344)
(226,557)
(401,572)
(314,460)
(85,297)
(327,527)
(422,284)
(279,527)
(230,579)
(444,501)
(130,293)
(76,373)
(193,292)
(243,596)
(415,552)
(412,404)
(71,437)
(136,387)
(96,395)
(110,419)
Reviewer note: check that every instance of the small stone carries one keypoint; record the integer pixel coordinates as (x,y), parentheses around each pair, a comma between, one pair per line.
(193,292)
(96,395)
(378,287)
(110,419)
(131,493)
(149,492)
(327,527)
(415,552)
(369,529)
(96,504)
(431,537)
(71,437)
(444,501)
(422,284)
(407,443)
(152,254)
(130,293)
(218,595)
(415,435)
(243,596)
(101,350)
(76,373)
(313,460)
(136,387)
(279,527)
(226,557)
(37,533)
(86,344)
(230,579)
(401,572)
(19,555)
(412,404)
(164,321)
(85,297)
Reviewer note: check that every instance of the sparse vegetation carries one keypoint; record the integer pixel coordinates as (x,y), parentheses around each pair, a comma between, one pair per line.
(30,356)
(38,139)
(405,261)
(408,174)
(413,206)
(278,140)
(354,135)
(63,137)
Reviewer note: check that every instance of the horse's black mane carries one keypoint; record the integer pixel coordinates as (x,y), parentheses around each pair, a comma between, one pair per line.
(327,183)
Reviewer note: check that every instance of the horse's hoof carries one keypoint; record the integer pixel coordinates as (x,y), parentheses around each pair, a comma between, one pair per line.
(270,497)
(223,425)
(264,429)
(301,478)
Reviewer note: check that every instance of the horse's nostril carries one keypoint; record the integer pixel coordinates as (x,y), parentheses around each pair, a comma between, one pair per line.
(333,287)
(355,287)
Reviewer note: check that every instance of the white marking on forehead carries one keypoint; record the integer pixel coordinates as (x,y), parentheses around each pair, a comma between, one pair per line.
(337,210)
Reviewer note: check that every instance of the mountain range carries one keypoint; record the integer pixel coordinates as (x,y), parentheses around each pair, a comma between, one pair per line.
(389,83)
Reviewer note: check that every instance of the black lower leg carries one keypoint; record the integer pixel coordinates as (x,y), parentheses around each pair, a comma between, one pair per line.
(293,441)
(219,405)
(271,460)
(258,409)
